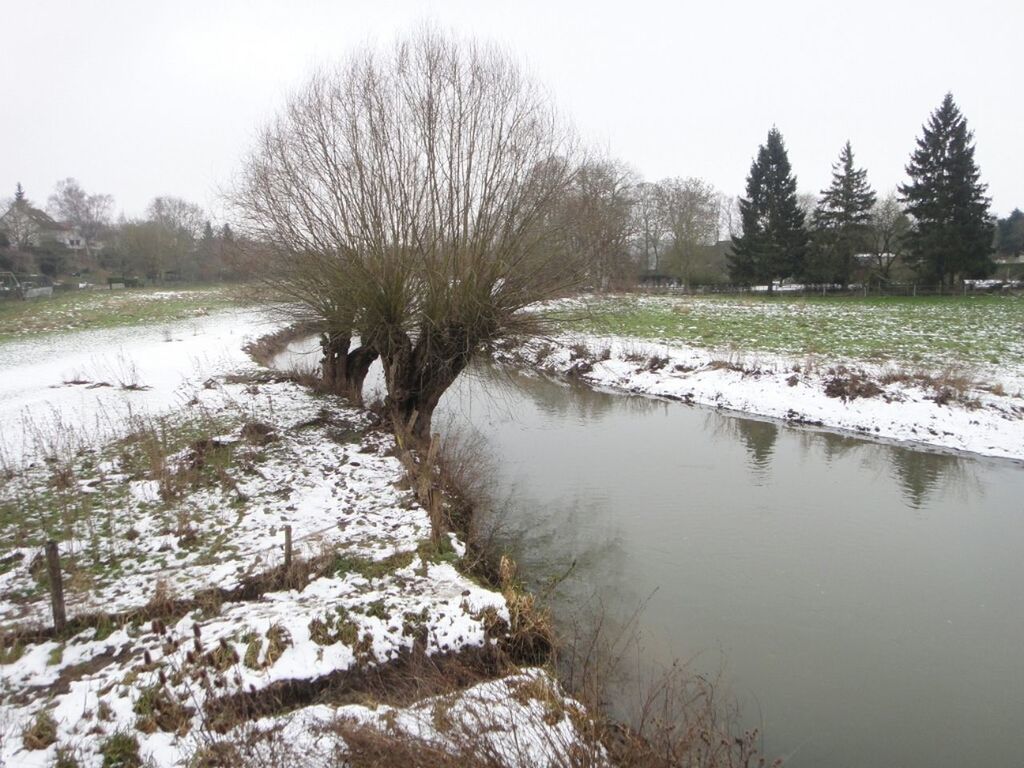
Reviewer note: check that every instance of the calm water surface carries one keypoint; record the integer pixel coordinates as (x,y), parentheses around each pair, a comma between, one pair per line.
(865,601)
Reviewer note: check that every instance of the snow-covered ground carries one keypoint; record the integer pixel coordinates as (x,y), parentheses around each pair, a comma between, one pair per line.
(369,586)
(86,382)
(879,401)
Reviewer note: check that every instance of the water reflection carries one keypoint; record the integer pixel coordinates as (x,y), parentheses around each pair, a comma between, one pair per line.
(759,438)
(834,446)
(919,473)
(854,629)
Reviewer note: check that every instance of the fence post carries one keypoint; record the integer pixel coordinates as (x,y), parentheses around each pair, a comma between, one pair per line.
(56,586)
(287,547)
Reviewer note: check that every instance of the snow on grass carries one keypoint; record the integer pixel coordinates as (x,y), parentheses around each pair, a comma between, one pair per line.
(522,720)
(380,586)
(168,501)
(944,409)
(979,332)
(102,308)
(89,383)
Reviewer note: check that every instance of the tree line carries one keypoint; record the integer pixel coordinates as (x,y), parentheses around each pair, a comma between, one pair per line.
(938,222)
(77,236)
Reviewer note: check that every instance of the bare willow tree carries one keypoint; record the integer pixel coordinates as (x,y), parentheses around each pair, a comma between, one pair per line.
(407,198)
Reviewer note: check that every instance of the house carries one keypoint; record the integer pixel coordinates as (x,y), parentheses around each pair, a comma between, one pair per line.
(27,226)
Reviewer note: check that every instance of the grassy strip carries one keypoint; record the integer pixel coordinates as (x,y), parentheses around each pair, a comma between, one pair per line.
(934,331)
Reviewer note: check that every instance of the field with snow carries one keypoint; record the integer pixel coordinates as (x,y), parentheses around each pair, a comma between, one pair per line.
(189,641)
(101,308)
(947,373)
(985,333)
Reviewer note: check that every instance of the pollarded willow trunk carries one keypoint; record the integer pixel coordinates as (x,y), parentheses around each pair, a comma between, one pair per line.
(358,365)
(334,365)
(417,378)
(344,369)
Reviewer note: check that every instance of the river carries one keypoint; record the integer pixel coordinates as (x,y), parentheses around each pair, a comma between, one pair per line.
(864,600)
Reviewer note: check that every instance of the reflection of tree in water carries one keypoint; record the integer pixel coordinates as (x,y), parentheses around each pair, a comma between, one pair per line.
(836,446)
(759,438)
(503,386)
(920,472)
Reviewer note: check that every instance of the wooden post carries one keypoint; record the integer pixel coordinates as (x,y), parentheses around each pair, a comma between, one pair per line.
(56,586)
(426,477)
(287,547)
(436,499)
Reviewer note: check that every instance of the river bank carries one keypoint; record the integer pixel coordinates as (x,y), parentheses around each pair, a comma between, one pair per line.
(189,637)
(940,409)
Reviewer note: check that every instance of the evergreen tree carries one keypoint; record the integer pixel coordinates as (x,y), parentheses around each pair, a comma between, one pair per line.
(19,193)
(1010,234)
(208,232)
(952,233)
(774,241)
(842,218)
(226,234)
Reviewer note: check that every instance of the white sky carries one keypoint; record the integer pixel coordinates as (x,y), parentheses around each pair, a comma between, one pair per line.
(139,98)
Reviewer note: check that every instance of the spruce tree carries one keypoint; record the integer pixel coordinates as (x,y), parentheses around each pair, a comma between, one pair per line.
(1010,234)
(842,218)
(774,241)
(952,233)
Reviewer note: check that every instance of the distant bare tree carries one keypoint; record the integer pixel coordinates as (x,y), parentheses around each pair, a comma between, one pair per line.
(690,209)
(598,216)
(808,202)
(175,227)
(90,214)
(729,222)
(407,198)
(649,225)
(176,214)
(889,227)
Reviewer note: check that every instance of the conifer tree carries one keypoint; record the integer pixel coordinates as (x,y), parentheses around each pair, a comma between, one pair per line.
(1010,234)
(952,233)
(774,241)
(842,218)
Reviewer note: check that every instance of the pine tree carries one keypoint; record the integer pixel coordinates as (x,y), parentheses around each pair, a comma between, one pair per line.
(953,233)
(842,218)
(19,193)
(774,241)
(1010,234)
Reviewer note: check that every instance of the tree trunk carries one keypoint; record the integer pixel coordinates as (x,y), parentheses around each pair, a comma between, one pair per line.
(358,365)
(416,387)
(334,364)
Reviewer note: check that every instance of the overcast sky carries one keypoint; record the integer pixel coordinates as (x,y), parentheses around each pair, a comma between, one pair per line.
(139,98)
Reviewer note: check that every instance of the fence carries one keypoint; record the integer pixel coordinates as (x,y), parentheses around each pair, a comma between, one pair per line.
(986,287)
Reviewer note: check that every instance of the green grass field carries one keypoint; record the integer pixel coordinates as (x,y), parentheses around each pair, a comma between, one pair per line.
(940,331)
(78,310)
